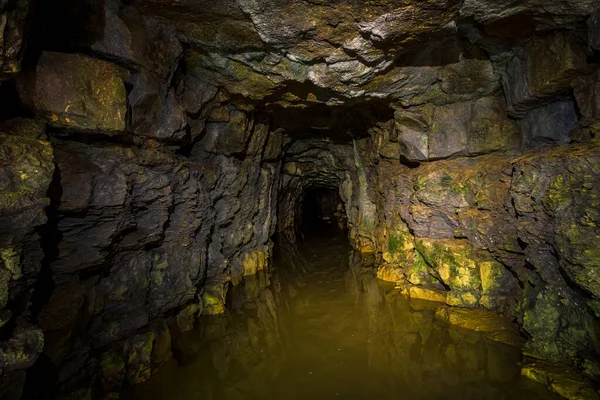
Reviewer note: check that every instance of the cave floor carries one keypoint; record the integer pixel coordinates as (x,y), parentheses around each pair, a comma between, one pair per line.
(340,333)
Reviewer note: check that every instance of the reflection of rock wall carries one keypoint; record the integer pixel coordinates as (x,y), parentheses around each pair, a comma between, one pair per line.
(145,231)
(407,343)
(232,356)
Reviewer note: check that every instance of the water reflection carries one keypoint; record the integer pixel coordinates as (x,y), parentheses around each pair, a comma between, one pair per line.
(341,334)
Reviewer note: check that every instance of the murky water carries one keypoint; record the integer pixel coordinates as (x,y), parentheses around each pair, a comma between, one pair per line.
(341,334)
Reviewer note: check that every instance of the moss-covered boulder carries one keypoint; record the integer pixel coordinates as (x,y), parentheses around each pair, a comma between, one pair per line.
(474,278)
(27,167)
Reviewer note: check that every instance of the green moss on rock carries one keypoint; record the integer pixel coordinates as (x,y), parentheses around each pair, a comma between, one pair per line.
(453,260)
(27,166)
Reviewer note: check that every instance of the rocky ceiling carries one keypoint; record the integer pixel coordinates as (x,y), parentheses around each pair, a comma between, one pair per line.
(407,51)
(342,62)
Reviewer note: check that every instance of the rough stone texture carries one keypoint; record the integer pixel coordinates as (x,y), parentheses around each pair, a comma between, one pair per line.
(587,93)
(551,123)
(26,170)
(542,70)
(560,379)
(257,76)
(155,112)
(322,163)
(143,215)
(502,17)
(468,128)
(144,231)
(77,92)
(14,16)
(186,133)
(474,221)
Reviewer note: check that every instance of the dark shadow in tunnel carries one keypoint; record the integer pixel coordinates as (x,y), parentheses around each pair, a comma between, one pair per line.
(321,229)
(313,232)
(321,215)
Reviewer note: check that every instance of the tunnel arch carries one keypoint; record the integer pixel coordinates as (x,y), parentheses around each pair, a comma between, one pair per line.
(321,164)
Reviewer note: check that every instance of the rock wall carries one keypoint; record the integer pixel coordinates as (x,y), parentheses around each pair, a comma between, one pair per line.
(152,194)
(503,232)
(318,163)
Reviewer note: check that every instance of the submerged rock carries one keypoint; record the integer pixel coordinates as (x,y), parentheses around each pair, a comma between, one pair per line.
(560,379)
(493,325)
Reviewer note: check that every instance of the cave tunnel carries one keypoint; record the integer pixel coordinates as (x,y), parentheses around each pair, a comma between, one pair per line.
(321,214)
(165,167)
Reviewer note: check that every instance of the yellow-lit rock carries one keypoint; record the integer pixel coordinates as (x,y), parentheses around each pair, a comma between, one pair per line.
(254,262)
(561,379)
(417,292)
(390,273)
(495,326)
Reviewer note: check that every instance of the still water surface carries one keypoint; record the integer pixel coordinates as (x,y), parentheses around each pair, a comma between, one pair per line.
(337,334)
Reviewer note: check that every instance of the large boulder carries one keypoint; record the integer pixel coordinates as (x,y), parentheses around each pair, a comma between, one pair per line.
(549,124)
(77,92)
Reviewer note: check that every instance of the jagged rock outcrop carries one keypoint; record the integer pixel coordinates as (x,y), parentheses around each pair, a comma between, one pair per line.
(26,170)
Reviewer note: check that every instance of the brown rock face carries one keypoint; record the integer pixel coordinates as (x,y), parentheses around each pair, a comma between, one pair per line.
(78,92)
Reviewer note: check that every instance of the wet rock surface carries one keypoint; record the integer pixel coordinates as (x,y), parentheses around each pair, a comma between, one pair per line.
(154,156)
(480,238)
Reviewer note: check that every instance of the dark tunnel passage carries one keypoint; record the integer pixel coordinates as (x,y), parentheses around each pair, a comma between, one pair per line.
(320,214)
(313,230)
